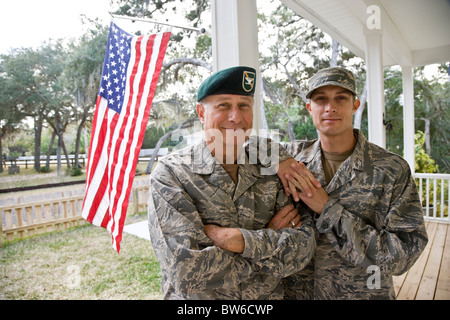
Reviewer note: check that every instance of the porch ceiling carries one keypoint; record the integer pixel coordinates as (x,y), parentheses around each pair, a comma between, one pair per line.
(415,32)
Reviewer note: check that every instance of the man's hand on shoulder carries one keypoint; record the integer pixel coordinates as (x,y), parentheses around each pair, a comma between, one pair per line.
(295,176)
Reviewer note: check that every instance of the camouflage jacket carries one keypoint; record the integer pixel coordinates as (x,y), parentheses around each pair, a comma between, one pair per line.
(371,228)
(189,189)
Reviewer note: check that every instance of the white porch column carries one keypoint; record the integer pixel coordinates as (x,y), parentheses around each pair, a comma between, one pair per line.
(375,88)
(235,41)
(408,116)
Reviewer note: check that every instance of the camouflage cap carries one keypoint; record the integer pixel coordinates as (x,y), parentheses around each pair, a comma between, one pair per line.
(335,76)
(236,80)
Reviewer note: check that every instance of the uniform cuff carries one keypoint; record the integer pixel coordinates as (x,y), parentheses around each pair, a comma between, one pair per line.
(249,241)
(330,215)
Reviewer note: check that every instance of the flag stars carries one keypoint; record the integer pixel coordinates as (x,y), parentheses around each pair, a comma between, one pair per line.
(114,78)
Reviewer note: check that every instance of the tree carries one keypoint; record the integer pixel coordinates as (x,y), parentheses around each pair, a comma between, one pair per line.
(423,163)
(187,60)
(292,50)
(20,71)
(82,76)
(432,106)
(431,101)
(10,115)
(53,94)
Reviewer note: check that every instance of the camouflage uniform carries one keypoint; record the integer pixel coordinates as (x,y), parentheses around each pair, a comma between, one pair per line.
(372,225)
(185,194)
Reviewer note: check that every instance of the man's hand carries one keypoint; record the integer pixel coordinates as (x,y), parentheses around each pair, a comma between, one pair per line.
(230,239)
(285,218)
(295,176)
(316,201)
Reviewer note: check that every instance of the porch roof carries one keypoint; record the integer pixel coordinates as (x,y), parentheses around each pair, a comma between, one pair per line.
(414,32)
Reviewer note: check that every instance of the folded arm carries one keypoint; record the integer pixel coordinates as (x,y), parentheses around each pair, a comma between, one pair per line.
(195,263)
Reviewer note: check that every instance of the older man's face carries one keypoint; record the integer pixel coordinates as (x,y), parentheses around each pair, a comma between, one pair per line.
(227,118)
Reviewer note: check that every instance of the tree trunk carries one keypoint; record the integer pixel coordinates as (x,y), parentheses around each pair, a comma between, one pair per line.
(184,125)
(334,53)
(63,146)
(49,152)
(58,157)
(427,128)
(78,140)
(1,150)
(37,142)
(360,111)
(264,125)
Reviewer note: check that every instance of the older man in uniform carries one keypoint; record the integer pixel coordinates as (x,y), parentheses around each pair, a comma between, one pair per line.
(368,214)
(219,228)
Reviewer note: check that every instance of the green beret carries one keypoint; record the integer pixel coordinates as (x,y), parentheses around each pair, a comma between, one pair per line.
(236,80)
(335,76)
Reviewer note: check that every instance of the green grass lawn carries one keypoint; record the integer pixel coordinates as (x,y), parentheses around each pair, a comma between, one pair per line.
(78,263)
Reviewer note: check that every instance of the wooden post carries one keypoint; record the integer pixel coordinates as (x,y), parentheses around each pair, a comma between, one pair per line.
(1,231)
(136,200)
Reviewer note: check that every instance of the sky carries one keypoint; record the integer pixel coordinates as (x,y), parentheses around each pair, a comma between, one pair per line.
(28,23)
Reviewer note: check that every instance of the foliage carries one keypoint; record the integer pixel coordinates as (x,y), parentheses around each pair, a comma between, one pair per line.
(305,130)
(56,85)
(44,170)
(17,150)
(424,163)
(432,107)
(73,171)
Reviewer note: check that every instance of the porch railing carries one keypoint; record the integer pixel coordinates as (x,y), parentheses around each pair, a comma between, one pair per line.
(20,220)
(434,192)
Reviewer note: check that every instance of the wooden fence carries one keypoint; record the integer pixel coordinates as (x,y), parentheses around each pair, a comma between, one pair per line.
(144,155)
(21,220)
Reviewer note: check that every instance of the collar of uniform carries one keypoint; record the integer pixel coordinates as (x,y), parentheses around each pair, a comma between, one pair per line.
(361,157)
(310,152)
(358,156)
(202,160)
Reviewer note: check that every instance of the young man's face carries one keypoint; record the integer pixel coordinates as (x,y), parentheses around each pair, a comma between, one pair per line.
(227,118)
(332,108)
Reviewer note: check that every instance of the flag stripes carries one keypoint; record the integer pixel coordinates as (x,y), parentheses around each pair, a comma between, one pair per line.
(126,92)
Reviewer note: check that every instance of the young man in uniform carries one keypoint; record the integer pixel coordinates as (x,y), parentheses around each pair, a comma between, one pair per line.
(366,208)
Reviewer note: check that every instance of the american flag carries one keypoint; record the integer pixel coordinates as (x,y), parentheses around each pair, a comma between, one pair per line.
(130,73)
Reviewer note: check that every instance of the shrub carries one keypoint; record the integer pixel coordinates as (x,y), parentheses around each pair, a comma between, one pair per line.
(424,163)
(74,171)
(44,170)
